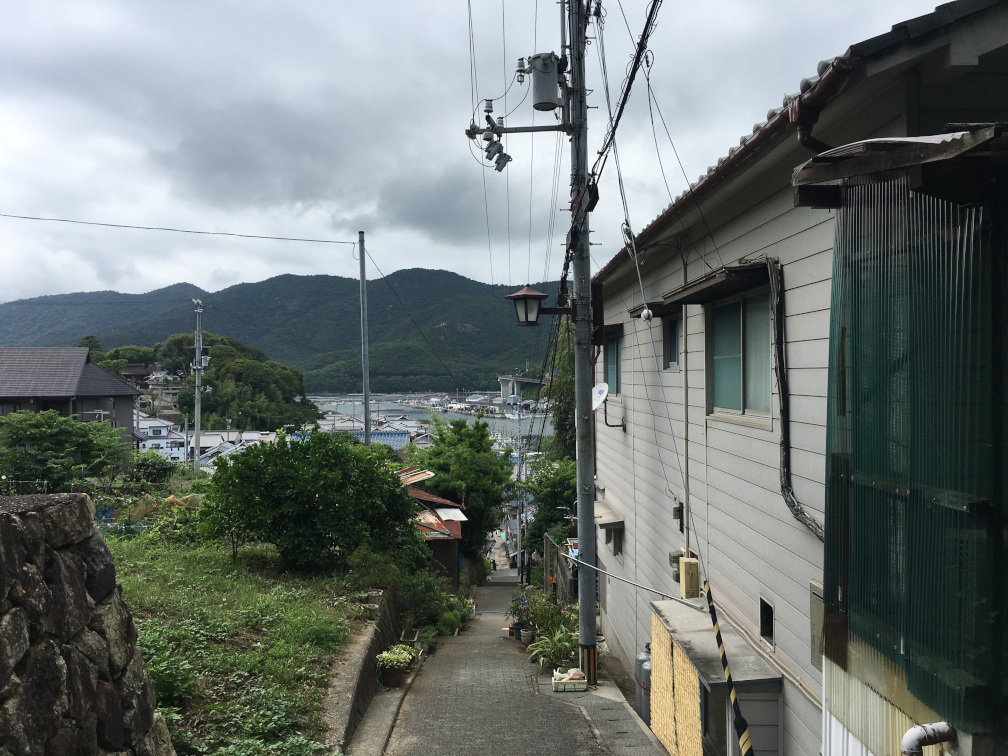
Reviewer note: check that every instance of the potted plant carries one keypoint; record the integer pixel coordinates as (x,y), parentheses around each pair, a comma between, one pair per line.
(519,609)
(395,663)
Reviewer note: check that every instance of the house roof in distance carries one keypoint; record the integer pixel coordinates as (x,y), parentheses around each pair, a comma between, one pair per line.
(56,372)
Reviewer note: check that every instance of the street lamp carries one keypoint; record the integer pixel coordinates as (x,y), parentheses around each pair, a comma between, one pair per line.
(528,306)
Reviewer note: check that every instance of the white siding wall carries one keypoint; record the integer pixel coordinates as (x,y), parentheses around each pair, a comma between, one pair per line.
(749,541)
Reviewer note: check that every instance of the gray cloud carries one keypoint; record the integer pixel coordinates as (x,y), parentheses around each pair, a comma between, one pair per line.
(319,119)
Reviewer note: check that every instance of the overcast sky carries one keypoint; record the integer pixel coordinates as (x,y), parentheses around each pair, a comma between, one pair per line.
(320,119)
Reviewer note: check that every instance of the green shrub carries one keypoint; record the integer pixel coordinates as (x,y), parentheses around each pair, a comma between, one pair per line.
(151,467)
(537,575)
(448,623)
(173,677)
(315,498)
(553,649)
(424,597)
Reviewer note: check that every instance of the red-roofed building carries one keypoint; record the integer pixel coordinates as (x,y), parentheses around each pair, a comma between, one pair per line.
(440,522)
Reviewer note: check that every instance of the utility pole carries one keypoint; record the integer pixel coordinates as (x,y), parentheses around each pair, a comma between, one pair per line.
(581,304)
(197,366)
(364,342)
(574,122)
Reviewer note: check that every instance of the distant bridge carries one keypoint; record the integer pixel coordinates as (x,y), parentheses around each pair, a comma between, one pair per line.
(511,384)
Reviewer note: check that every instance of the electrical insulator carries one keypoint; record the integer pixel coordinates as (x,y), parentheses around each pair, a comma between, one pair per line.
(500,121)
(488,107)
(521,70)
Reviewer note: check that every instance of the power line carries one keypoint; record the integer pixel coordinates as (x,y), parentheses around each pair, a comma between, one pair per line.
(173,230)
(458,383)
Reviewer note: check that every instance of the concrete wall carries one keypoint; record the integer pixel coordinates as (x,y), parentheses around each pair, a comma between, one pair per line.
(72,679)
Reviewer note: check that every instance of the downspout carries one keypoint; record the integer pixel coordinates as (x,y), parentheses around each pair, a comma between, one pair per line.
(924,735)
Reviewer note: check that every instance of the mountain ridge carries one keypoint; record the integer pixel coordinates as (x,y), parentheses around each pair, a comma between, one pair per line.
(312,323)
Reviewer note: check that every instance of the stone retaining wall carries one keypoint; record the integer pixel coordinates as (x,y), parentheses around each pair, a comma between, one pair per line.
(72,679)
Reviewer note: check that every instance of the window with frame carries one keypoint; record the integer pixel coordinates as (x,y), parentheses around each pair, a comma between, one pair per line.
(740,345)
(614,540)
(612,362)
(670,342)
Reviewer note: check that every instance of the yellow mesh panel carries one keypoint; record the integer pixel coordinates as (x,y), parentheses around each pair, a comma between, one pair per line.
(675,695)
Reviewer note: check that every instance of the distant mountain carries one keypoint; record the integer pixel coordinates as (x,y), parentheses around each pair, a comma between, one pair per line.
(312,323)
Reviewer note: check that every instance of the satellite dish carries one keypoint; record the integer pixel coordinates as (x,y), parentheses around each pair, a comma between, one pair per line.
(599,394)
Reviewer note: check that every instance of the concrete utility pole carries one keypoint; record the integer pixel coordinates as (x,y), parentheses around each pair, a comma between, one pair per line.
(364,342)
(581,267)
(575,123)
(198,364)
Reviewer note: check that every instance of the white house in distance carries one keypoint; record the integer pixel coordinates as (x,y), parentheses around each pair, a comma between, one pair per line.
(161,436)
(815,412)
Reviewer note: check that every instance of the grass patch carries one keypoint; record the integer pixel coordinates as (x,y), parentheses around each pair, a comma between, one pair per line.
(238,651)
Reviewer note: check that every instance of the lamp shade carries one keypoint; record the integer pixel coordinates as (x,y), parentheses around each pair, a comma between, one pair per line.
(526,302)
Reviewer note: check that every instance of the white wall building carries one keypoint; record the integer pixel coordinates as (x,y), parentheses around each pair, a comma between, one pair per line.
(724,399)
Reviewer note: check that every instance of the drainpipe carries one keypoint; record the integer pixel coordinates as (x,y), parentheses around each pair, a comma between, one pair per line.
(924,735)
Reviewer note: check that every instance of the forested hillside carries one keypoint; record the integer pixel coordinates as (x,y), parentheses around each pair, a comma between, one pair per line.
(429,330)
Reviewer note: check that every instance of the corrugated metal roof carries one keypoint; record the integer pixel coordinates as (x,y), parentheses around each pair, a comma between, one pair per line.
(429,498)
(62,372)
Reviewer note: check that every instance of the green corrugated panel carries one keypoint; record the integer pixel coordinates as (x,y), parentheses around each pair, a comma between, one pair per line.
(913,526)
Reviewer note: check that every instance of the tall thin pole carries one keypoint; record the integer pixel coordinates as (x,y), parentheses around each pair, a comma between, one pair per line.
(521,498)
(364,341)
(578,21)
(198,369)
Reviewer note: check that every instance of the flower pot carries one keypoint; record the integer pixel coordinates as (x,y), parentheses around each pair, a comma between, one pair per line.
(393,678)
(526,635)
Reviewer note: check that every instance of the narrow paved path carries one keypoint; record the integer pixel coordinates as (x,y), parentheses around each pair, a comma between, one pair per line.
(478,694)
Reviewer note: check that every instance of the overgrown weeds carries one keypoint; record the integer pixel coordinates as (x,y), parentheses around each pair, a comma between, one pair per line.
(238,651)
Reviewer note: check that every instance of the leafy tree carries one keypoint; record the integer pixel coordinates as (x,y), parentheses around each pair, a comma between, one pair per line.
(151,467)
(241,384)
(553,486)
(563,443)
(137,355)
(47,446)
(467,471)
(92,343)
(316,498)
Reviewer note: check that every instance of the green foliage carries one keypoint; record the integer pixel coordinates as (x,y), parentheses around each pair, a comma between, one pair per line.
(151,467)
(173,678)
(449,622)
(467,471)
(553,486)
(302,321)
(241,384)
(554,649)
(399,656)
(563,443)
(134,355)
(92,344)
(241,647)
(316,499)
(533,607)
(46,446)
(424,597)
